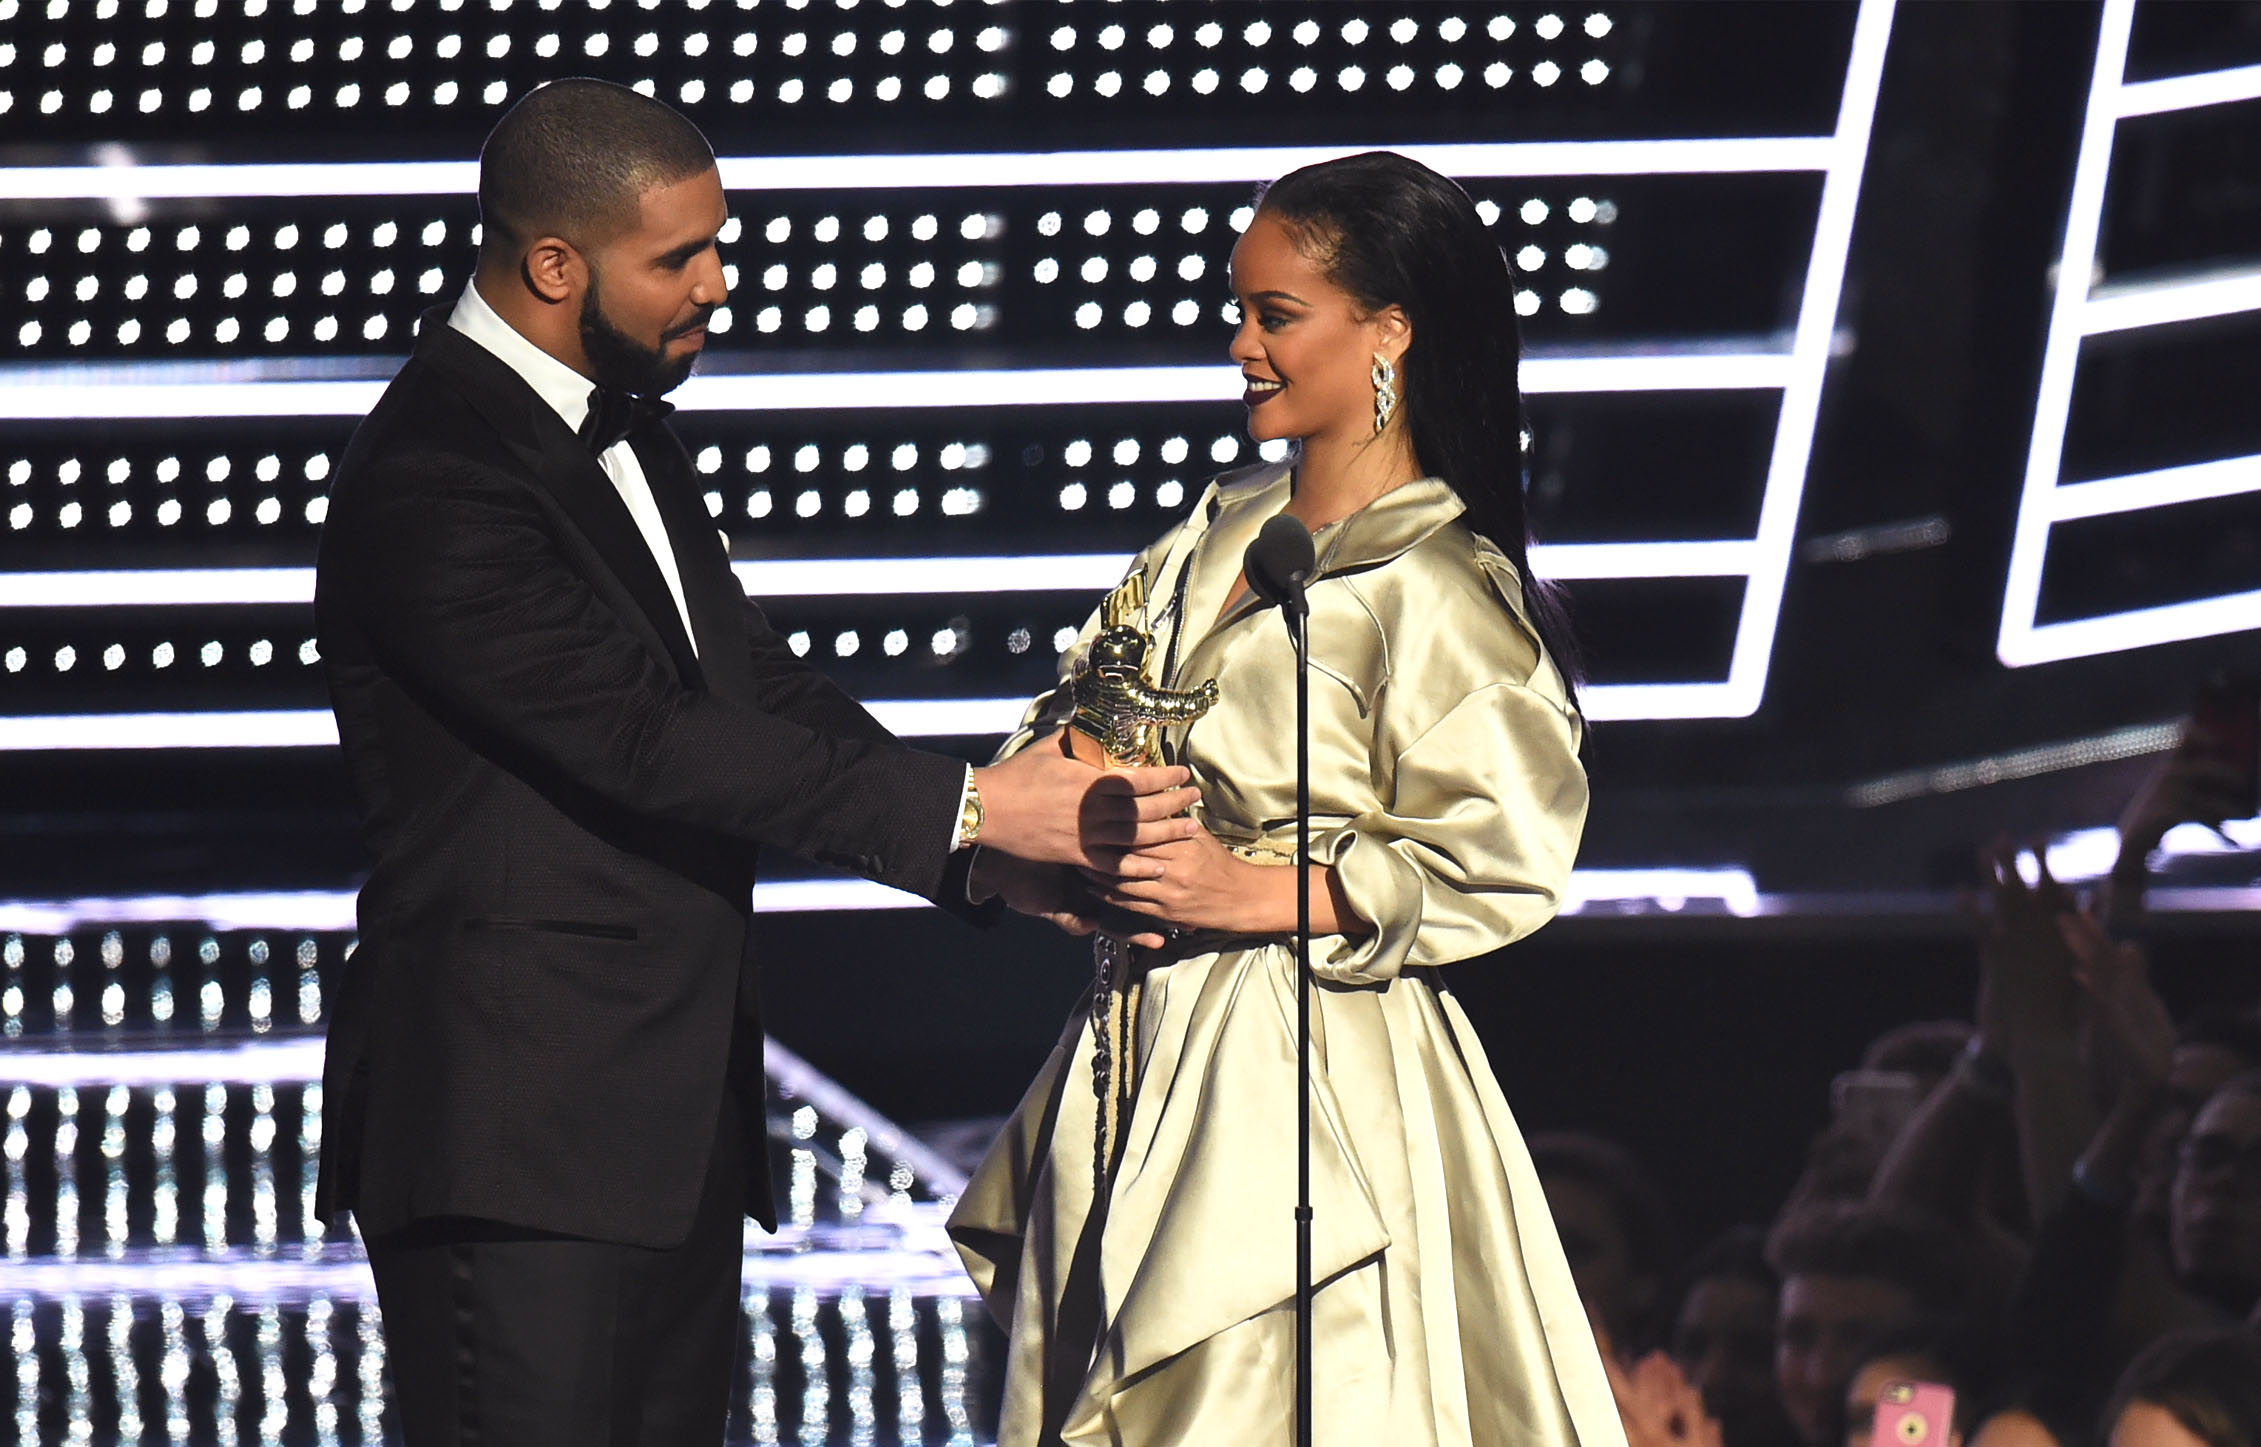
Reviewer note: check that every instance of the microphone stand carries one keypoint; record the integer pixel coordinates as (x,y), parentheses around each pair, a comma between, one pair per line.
(1278,565)
(1298,612)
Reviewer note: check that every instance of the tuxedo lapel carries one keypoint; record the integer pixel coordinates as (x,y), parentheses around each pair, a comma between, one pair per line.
(572,475)
(711,591)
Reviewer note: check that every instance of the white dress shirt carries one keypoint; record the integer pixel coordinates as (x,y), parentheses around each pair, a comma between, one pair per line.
(567,392)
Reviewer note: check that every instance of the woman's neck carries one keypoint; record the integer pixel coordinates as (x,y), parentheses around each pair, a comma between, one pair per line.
(1336,476)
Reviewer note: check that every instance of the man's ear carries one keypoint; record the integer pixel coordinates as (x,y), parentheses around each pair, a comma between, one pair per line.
(552,269)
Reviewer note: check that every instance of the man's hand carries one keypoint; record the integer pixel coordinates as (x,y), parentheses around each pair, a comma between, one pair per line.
(1046,807)
(1050,892)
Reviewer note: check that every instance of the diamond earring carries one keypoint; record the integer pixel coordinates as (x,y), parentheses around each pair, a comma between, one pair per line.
(1384,377)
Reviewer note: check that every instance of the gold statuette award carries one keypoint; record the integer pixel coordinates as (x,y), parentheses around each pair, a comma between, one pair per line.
(1121,710)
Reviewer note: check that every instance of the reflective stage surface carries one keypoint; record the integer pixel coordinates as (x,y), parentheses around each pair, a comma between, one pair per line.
(165,1279)
(278,1360)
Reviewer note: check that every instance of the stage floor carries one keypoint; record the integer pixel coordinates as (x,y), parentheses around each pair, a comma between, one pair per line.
(164,1279)
(237,1349)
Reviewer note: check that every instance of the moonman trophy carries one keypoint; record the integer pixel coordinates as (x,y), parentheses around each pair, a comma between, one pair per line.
(1120,714)
(1120,710)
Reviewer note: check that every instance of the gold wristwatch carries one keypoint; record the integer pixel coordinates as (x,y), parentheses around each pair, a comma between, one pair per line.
(969,815)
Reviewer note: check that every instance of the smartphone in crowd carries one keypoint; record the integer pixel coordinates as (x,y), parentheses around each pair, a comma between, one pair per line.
(1874,1104)
(1913,1414)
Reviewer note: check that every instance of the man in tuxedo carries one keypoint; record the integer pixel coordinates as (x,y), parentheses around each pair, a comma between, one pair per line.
(569,732)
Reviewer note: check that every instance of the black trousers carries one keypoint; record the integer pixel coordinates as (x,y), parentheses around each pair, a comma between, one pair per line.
(501,1337)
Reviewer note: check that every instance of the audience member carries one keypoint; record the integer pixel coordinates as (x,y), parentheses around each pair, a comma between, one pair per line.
(2214,1218)
(1851,1276)
(1919,1355)
(2062,1194)
(1617,1232)
(1722,1336)
(2190,1389)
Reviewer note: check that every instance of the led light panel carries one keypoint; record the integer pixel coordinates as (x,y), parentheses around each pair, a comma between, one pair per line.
(184,392)
(2082,310)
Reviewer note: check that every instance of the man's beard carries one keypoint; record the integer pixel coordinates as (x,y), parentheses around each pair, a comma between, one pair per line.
(619,360)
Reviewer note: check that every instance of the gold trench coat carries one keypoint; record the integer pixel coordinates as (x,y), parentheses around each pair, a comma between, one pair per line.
(1448,797)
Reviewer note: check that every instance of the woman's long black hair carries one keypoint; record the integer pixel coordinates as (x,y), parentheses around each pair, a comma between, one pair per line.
(1390,230)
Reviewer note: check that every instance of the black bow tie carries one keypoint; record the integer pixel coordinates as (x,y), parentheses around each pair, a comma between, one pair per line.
(614,415)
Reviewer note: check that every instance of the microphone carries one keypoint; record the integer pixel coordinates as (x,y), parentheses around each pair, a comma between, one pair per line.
(1279,562)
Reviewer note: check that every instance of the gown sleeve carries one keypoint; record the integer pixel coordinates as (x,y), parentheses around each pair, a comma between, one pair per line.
(1471,847)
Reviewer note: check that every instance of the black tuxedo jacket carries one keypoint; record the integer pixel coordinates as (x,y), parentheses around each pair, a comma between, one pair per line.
(555,982)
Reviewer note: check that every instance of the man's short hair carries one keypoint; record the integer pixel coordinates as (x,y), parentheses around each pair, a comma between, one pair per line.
(1872,1241)
(573,158)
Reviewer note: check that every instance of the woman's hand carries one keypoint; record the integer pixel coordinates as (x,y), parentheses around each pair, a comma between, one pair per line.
(1194,883)
(1197,883)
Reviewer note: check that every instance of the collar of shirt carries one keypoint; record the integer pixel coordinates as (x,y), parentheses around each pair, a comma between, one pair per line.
(566,390)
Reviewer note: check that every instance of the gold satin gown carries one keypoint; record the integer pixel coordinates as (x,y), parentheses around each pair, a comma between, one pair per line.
(1446,793)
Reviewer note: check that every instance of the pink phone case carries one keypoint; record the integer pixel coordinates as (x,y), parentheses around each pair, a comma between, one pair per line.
(1913,1414)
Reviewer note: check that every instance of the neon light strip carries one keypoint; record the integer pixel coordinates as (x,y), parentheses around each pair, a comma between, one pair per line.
(2018,643)
(1670,889)
(1801,400)
(825,577)
(1624,702)
(780,578)
(2140,628)
(315,728)
(240,729)
(911,718)
(312,909)
(877,577)
(2188,92)
(54,394)
(260,1062)
(1245,164)
(342,1272)
(66,400)
(159,588)
(332,911)
(298,1057)
(2076,314)
(2122,308)
(2227,477)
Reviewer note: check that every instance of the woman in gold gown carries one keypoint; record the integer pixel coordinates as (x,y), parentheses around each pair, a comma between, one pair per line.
(1141,1255)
